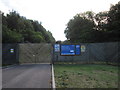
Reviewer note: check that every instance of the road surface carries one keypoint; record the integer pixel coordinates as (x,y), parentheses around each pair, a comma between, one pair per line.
(27,76)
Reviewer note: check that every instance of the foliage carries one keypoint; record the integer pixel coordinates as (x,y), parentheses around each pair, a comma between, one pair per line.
(80,28)
(66,42)
(91,27)
(113,25)
(18,29)
(51,39)
(11,36)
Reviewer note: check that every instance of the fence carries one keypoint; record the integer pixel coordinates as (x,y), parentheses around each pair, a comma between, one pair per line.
(94,52)
(44,53)
(35,53)
(26,53)
(10,54)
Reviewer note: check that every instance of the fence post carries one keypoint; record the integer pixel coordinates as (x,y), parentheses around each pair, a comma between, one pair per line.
(89,50)
(105,53)
(17,54)
(53,54)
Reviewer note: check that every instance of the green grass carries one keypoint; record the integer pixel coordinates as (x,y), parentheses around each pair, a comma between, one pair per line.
(86,76)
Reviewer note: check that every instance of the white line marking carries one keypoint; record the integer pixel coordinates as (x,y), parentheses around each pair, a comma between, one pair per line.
(32,63)
(53,78)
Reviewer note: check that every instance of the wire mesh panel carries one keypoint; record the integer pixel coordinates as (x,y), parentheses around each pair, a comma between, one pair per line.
(111,52)
(10,54)
(97,52)
(35,53)
(94,52)
(43,53)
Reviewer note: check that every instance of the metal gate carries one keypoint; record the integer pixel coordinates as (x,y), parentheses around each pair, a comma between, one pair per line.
(35,53)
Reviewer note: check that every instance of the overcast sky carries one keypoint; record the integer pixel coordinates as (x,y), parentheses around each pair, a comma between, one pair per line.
(54,14)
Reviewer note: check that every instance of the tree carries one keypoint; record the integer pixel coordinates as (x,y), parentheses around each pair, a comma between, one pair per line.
(101,20)
(51,38)
(17,29)
(80,28)
(10,36)
(90,27)
(37,37)
(113,25)
(109,23)
(12,20)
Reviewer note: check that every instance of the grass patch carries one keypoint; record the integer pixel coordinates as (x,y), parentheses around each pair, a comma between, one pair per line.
(86,76)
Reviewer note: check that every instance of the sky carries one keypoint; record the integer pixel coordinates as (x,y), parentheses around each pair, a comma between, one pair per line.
(54,14)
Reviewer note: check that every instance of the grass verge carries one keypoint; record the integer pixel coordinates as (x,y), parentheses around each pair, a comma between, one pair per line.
(86,76)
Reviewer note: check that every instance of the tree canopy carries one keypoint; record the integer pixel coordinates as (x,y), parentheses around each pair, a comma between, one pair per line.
(18,29)
(91,27)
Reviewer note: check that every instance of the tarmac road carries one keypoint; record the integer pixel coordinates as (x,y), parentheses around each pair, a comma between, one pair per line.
(27,76)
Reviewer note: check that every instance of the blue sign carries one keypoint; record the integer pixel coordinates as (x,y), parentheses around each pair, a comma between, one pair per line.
(57,47)
(67,49)
(78,50)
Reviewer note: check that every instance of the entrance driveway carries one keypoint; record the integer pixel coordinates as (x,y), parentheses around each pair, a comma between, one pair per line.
(27,76)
